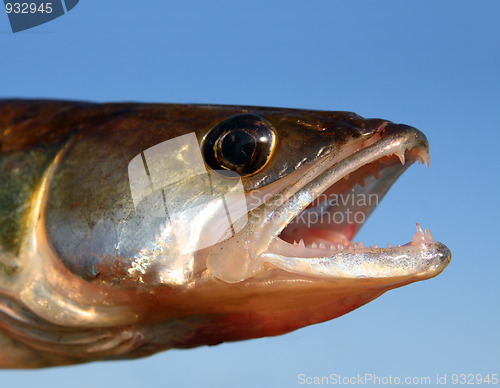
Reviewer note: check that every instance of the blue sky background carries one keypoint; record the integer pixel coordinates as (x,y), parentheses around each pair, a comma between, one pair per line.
(432,64)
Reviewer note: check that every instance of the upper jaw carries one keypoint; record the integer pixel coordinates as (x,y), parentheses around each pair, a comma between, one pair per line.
(260,243)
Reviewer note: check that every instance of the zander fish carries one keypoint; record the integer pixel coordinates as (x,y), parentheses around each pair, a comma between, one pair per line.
(127,229)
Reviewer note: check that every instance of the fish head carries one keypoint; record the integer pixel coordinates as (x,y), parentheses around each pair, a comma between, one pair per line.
(187,225)
(294,262)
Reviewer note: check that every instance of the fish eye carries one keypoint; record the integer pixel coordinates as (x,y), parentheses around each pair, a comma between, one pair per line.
(242,143)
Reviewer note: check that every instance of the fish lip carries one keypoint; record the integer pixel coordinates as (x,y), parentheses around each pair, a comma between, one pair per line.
(442,255)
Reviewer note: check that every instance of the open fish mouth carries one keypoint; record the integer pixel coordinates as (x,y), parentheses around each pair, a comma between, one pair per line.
(308,228)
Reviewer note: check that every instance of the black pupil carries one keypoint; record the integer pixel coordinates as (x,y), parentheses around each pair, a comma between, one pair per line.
(237,147)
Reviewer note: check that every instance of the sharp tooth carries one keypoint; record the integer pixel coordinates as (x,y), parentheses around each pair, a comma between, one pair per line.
(361,245)
(322,246)
(399,245)
(294,242)
(419,237)
(428,236)
(425,158)
(388,245)
(376,174)
(314,245)
(401,156)
(301,243)
(375,246)
(333,247)
(341,246)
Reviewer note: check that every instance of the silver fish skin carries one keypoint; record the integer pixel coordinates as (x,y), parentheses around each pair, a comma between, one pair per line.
(127,229)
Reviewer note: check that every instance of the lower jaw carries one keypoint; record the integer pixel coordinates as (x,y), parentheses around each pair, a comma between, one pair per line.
(326,248)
